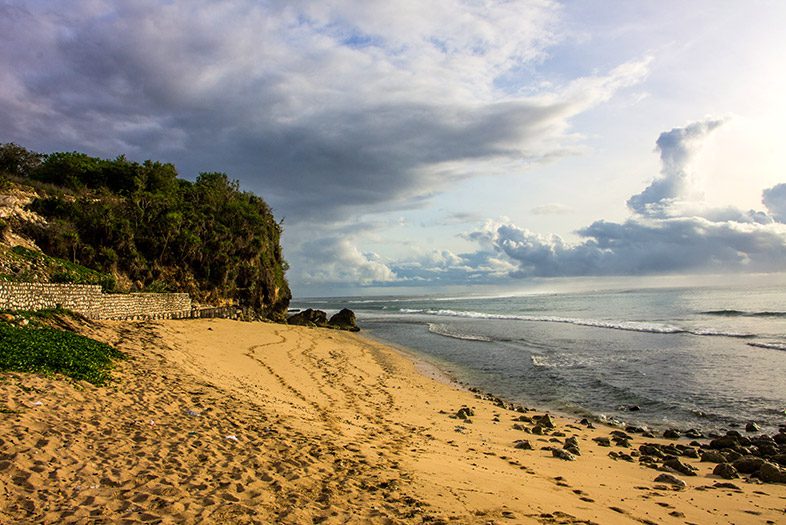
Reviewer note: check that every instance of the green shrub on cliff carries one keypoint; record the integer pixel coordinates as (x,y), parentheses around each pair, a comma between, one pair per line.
(142,223)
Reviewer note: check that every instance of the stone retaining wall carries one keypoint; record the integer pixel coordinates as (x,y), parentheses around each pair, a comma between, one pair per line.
(89,301)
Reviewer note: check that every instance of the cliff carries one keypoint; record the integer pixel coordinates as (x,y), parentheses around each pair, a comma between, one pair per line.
(139,227)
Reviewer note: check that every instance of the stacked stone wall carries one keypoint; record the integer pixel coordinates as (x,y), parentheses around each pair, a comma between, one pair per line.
(89,301)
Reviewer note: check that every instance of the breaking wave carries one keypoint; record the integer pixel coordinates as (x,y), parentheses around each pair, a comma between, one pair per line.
(447,331)
(632,326)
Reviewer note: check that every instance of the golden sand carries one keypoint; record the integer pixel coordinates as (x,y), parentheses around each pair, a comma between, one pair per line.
(217,421)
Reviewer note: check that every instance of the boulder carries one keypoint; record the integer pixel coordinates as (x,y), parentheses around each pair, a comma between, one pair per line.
(679,466)
(726,471)
(748,464)
(308,317)
(602,441)
(769,473)
(671,434)
(692,433)
(562,454)
(465,413)
(731,442)
(344,320)
(545,421)
(710,456)
(752,427)
(522,444)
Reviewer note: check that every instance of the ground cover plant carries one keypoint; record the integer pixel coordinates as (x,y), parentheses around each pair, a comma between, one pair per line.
(42,349)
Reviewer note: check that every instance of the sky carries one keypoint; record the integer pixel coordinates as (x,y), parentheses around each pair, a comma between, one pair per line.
(414,146)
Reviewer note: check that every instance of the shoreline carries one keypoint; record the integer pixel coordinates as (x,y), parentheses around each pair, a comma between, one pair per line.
(218,421)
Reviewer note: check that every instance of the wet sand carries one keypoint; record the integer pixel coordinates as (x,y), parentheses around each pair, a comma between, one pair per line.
(217,421)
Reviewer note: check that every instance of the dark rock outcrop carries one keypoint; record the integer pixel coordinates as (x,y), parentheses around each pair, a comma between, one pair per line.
(344,320)
(308,317)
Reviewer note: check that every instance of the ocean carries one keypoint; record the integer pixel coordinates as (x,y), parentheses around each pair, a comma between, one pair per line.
(710,358)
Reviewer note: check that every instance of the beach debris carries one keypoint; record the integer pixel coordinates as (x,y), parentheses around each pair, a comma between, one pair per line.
(726,471)
(231,437)
(752,427)
(563,454)
(522,444)
(671,480)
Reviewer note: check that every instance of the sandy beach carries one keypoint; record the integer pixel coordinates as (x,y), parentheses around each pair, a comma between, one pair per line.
(218,421)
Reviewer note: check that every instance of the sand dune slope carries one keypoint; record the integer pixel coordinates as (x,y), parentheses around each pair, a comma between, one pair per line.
(216,421)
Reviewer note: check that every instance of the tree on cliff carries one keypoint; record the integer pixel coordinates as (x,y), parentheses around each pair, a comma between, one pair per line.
(155,231)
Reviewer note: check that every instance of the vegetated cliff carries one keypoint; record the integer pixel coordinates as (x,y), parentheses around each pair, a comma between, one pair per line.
(147,228)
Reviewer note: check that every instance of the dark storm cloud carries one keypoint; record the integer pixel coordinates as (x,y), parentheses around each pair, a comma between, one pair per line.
(282,96)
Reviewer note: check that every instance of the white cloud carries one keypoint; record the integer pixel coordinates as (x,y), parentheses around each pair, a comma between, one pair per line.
(670,231)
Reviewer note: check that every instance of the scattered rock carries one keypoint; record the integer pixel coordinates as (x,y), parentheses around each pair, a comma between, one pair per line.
(720,443)
(651,450)
(769,473)
(679,466)
(711,456)
(672,480)
(562,454)
(726,471)
(671,434)
(726,485)
(634,408)
(688,452)
(602,441)
(752,427)
(748,464)
(545,421)
(692,433)
(465,413)
(344,320)
(522,444)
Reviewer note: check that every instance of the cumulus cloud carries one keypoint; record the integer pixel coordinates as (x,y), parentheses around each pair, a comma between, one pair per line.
(775,200)
(668,233)
(338,260)
(325,108)
(677,148)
